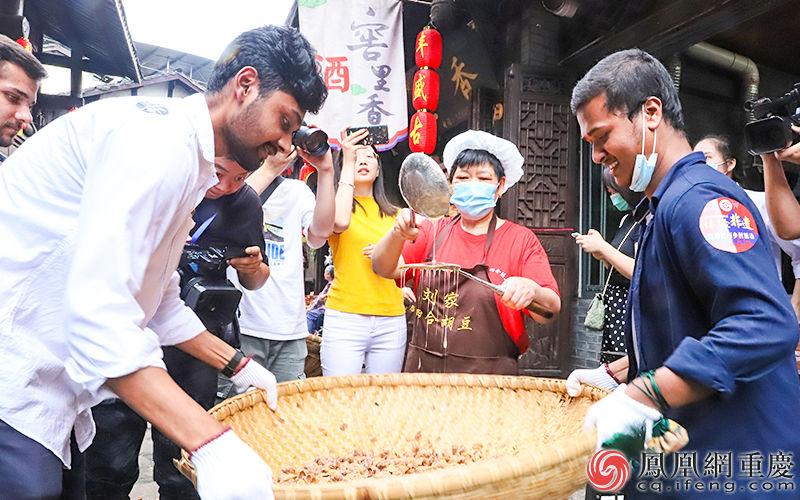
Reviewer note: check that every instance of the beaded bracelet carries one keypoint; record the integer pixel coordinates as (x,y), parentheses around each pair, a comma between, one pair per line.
(611,373)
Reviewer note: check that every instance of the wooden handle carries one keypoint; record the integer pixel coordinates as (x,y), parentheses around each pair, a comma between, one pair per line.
(533,307)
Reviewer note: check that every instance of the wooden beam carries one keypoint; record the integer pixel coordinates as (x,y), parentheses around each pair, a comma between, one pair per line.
(679,24)
(76,72)
(66,62)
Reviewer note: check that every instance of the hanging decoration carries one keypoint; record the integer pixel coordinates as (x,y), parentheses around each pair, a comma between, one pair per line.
(425,91)
(422,132)
(26,44)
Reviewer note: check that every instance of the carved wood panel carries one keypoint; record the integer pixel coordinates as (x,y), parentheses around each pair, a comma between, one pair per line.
(538,119)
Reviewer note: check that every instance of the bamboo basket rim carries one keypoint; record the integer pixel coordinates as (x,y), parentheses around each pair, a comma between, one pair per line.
(439,481)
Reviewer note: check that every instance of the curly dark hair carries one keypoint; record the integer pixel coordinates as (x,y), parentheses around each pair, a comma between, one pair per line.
(284,61)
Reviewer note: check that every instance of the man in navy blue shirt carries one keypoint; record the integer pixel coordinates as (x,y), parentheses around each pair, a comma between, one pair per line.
(711,333)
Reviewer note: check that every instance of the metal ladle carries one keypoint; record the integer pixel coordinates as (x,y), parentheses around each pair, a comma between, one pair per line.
(424,186)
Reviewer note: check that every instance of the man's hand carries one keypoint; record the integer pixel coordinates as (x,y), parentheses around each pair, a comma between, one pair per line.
(597,377)
(278,162)
(619,414)
(252,270)
(228,469)
(792,153)
(249,264)
(251,374)
(323,163)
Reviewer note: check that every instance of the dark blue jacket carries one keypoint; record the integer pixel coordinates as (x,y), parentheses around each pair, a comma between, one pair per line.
(707,303)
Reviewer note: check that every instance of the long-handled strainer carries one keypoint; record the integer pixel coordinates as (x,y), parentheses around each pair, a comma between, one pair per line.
(499,290)
(424,186)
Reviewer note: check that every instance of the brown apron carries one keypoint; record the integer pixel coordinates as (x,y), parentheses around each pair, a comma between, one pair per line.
(456,324)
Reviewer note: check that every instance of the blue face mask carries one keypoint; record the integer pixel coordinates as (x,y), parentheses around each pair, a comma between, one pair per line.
(644,167)
(619,202)
(474,199)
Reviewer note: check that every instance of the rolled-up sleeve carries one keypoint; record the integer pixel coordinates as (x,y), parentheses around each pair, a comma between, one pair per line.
(750,320)
(173,321)
(134,188)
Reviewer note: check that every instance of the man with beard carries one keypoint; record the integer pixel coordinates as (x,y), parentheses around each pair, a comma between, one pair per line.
(20,74)
(710,330)
(94,213)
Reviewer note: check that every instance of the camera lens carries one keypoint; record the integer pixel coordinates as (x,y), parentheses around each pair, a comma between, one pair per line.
(768,135)
(313,140)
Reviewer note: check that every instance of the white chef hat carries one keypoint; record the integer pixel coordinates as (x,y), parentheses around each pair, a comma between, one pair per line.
(505,151)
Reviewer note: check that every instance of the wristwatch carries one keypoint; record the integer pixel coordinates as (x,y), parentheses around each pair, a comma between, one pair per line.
(230,368)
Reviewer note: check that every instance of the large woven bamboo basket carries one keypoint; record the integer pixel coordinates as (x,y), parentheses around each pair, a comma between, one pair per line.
(529,427)
(313,366)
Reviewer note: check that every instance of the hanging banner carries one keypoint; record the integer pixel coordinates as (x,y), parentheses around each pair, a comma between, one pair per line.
(360,50)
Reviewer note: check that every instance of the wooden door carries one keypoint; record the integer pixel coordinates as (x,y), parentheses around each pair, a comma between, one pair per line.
(537,118)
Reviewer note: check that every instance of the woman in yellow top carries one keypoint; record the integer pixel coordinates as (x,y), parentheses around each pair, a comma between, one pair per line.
(364,316)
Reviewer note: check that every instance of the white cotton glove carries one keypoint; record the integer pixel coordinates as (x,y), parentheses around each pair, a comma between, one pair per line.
(228,469)
(253,374)
(618,413)
(597,377)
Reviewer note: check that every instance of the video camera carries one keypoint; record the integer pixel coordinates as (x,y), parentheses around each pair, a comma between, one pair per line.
(205,287)
(772,131)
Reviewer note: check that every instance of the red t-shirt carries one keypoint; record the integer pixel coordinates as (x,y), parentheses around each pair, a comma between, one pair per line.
(515,251)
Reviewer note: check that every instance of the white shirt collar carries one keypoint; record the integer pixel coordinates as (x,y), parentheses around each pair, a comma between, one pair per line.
(201,117)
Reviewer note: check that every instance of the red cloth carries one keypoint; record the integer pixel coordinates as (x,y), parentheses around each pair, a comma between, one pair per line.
(515,251)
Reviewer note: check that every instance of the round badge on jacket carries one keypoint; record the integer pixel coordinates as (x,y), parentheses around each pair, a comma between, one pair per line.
(728,225)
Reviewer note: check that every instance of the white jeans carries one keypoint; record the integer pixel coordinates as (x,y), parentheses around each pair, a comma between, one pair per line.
(351,340)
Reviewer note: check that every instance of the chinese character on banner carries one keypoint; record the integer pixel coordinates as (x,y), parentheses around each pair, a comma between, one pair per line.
(335,72)
(360,53)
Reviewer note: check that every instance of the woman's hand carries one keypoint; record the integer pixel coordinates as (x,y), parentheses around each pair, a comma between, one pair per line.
(402,225)
(367,250)
(350,144)
(594,243)
(519,292)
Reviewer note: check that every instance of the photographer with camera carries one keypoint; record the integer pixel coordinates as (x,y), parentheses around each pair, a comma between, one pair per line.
(94,215)
(782,205)
(227,231)
(774,135)
(273,317)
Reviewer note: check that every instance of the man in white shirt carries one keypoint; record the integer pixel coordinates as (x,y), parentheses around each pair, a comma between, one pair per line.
(94,211)
(273,320)
(228,218)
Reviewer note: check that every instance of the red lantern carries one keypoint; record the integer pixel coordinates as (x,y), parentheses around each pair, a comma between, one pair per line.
(425,91)
(422,133)
(428,49)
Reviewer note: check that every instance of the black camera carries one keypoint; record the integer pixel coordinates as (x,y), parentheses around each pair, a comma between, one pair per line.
(205,287)
(772,129)
(313,140)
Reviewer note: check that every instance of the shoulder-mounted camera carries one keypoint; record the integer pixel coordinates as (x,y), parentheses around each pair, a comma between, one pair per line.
(772,129)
